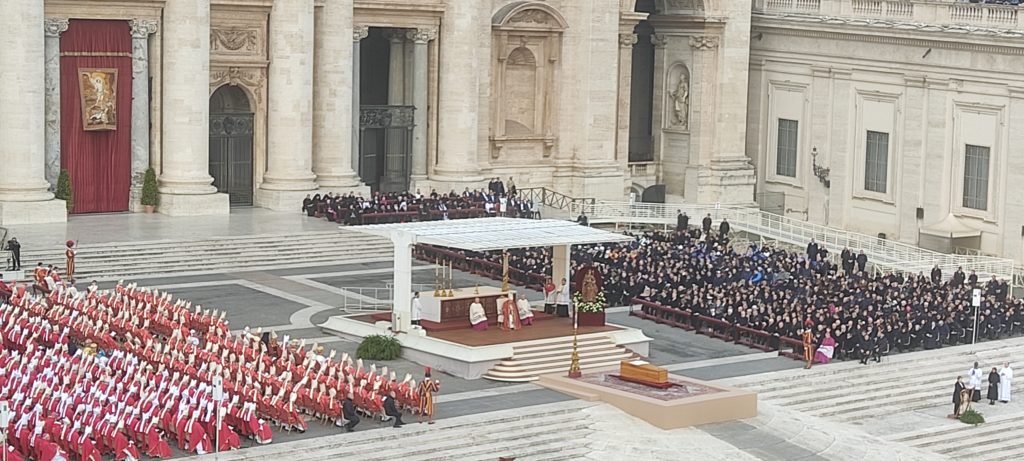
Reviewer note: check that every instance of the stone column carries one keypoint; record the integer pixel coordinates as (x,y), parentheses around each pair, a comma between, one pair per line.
(141,30)
(396,66)
(185,182)
(289,174)
(24,194)
(332,97)
(420,72)
(459,87)
(53,27)
(358,34)
(626,42)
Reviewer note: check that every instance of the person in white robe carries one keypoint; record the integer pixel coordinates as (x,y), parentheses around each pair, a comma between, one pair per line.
(477,315)
(525,312)
(417,308)
(1005,383)
(974,377)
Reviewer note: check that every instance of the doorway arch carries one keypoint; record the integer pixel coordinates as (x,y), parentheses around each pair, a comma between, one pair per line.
(231,144)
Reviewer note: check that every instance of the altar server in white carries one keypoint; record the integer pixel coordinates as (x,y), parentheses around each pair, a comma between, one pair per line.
(525,312)
(477,315)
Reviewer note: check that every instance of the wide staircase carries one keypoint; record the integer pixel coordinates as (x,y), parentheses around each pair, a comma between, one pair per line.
(541,357)
(552,432)
(906,399)
(112,261)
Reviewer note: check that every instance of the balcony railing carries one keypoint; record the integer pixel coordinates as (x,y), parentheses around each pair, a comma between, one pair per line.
(932,12)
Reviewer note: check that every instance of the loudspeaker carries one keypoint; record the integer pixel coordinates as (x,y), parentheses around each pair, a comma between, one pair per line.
(920,213)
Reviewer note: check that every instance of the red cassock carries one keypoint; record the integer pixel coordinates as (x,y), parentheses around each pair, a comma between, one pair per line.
(87,450)
(156,446)
(198,440)
(228,438)
(123,448)
(12,454)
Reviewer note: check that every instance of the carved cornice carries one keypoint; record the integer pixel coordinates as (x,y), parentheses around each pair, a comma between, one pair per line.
(53,27)
(142,28)
(360,32)
(659,40)
(898,25)
(252,78)
(703,42)
(422,35)
(627,40)
(244,41)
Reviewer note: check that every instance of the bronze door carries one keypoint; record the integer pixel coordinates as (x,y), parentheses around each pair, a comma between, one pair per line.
(231,156)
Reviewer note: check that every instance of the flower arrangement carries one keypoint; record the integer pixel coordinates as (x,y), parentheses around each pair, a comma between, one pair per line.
(597,305)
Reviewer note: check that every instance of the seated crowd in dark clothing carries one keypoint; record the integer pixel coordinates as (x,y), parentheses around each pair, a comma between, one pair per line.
(782,292)
(353,209)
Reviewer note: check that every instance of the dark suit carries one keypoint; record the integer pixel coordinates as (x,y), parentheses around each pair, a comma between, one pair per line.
(391,409)
(348,410)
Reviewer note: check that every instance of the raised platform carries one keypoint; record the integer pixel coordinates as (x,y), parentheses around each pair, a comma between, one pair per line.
(688,402)
(540,348)
(443,327)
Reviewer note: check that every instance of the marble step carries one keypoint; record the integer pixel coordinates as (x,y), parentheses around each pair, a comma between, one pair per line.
(558,344)
(570,454)
(504,444)
(373,442)
(589,349)
(925,436)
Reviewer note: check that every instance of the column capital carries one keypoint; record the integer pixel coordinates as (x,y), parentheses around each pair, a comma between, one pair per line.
(53,27)
(360,32)
(395,35)
(422,35)
(142,28)
(627,40)
(659,41)
(703,42)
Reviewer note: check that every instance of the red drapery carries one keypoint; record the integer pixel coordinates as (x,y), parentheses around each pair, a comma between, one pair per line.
(99,162)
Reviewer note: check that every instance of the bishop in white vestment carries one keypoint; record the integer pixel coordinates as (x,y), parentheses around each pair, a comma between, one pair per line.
(477,315)
(1005,383)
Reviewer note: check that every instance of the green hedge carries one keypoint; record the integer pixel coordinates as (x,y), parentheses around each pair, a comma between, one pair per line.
(64,191)
(379,347)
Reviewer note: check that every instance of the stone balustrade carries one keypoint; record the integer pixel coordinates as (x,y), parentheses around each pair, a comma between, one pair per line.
(935,12)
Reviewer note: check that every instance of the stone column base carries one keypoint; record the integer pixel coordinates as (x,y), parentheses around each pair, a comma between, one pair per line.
(359,190)
(729,180)
(46,211)
(283,200)
(194,205)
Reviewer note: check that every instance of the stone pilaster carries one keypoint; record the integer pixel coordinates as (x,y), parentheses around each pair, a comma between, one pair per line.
(141,30)
(53,28)
(358,34)
(459,94)
(290,118)
(420,72)
(185,183)
(626,43)
(332,98)
(24,194)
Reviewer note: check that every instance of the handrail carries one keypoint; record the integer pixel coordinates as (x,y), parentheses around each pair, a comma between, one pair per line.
(885,254)
(551,198)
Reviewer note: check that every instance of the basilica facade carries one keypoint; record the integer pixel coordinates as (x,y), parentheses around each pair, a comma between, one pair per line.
(874,115)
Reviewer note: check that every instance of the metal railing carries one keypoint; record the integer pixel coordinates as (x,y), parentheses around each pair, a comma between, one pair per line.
(366,299)
(550,198)
(884,254)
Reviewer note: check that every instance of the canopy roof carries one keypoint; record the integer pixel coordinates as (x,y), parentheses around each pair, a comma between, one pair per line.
(950,227)
(483,234)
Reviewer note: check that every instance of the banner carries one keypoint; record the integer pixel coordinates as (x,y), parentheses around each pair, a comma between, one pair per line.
(98,90)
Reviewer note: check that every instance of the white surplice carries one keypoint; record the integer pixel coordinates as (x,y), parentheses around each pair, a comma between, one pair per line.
(1005,384)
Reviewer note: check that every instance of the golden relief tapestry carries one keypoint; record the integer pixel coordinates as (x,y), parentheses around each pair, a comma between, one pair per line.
(98,90)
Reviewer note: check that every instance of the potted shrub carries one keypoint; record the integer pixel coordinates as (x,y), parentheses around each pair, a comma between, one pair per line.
(150,196)
(379,347)
(591,314)
(64,191)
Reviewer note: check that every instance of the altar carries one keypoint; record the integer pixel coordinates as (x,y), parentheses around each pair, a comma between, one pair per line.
(448,309)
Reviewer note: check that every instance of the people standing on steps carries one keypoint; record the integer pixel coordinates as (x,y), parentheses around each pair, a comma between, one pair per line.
(958,395)
(15,248)
(974,377)
(1005,382)
(993,386)
(682,221)
(426,390)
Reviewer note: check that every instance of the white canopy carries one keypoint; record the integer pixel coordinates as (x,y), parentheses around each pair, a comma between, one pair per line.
(950,227)
(483,234)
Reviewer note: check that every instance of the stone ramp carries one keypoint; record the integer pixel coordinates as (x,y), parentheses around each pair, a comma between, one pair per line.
(905,399)
(543,432)
(130,260)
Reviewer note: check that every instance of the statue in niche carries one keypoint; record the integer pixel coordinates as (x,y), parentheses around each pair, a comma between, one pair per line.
(681,102)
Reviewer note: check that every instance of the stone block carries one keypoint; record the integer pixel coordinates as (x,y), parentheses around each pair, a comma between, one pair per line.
(194,205)
(47,211)
(282,200)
